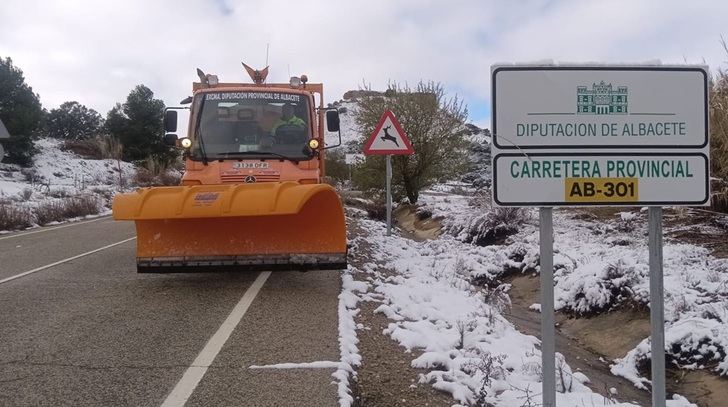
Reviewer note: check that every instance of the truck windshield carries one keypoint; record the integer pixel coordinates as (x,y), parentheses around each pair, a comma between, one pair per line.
(273,124)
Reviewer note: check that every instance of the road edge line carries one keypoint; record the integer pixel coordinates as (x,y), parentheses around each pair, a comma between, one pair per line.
(78,256)
(194,374)
(32,232)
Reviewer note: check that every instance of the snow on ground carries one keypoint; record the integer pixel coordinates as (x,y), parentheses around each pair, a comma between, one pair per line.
(58,174)
(350,357)
(469,349)
(54,169)
(602,265)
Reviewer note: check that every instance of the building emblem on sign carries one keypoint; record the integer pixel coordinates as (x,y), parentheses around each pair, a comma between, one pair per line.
(601,99)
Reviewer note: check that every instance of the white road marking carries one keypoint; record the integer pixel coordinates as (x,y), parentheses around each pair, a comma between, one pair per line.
(192,376)
(321,364)
(54,228)
(65,260)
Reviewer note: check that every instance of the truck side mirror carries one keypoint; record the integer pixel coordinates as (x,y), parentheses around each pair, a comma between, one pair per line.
(170,139)
(332,120)
(170,121)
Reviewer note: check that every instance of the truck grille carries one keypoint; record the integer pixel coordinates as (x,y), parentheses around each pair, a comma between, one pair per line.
(240,178)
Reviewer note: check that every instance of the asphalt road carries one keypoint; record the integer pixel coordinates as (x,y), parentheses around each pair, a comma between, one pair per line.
(90,331)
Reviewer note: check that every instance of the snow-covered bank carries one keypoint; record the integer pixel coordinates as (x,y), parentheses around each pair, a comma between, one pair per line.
(470,350)
(601,264)
(55,170)
(41,194)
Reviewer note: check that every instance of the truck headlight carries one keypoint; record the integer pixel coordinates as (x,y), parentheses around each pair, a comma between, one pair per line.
(186,142)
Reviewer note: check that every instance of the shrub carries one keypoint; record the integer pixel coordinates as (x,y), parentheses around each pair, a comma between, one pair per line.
(719,134)
(81,206)
(89,149)
(13,217)
(26,194)
(336,168)
(376,209)
(48,212)
(59,210)
(493,227)
(156,171)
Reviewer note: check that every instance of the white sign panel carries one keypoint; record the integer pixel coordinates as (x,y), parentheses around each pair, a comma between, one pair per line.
(600,135)
(552,179)
(3,131)
(600,107)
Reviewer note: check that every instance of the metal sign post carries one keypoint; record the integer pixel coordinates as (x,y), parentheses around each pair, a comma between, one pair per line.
(657,312)
(388,138)
(548,330)
(389,194)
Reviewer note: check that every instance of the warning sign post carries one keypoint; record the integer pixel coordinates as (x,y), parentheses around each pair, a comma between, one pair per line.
(388,139)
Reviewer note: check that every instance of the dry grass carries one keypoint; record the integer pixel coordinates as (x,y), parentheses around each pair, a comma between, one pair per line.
(13,217)
(60,210)
(376,210)
(90,149)
(153,171)
(719,135)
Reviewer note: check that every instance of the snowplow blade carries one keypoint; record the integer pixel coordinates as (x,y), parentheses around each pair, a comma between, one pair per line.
(259,226)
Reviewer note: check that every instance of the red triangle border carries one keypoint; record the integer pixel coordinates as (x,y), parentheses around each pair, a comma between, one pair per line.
(378,128)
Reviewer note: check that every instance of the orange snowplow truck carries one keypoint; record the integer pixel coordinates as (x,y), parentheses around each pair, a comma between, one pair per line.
(252,196)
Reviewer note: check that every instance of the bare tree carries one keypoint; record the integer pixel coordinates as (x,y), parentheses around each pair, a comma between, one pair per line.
(435,125)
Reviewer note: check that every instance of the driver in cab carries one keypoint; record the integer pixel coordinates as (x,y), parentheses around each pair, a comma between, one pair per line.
(287,118)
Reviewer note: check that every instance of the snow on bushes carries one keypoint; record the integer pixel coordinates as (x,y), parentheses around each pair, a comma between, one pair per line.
(469,216)
(601,265)
(468,348)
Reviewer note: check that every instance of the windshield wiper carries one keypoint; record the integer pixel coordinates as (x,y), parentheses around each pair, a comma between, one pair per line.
(234,153)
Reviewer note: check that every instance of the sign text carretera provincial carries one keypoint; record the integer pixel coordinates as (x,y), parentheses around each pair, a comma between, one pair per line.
(600,135)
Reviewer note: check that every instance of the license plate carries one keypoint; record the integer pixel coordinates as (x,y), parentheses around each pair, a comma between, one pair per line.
(249,165)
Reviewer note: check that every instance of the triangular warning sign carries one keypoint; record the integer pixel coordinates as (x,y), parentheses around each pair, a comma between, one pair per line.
(388,138)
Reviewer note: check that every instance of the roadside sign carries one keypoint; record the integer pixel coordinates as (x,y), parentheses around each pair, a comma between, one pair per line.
(600,135)
(3,131)
(570,179)
(577,135)
(3,135)
(388,138)
(574,107)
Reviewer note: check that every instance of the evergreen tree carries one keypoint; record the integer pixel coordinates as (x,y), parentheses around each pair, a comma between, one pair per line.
(20,111)
(73,121)
(138,125)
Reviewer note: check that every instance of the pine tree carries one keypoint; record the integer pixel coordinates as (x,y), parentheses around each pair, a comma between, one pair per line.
(20,111)
(73,121)
(138,125)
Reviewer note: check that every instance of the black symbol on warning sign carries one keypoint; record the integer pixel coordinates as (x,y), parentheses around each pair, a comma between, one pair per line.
(389,137)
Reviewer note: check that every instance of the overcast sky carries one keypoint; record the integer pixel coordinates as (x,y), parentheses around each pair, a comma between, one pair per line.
(96,51)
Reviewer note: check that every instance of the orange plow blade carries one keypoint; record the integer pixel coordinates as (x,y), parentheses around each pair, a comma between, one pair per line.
(261,226)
